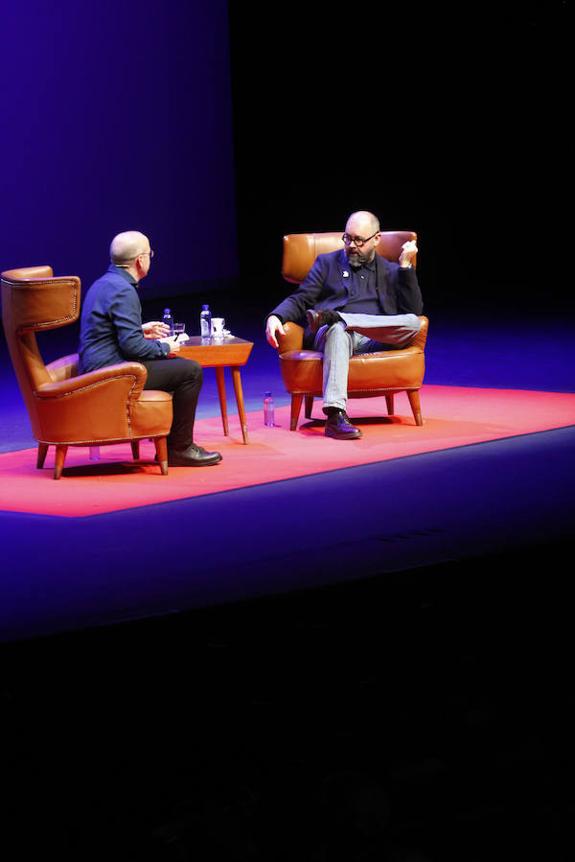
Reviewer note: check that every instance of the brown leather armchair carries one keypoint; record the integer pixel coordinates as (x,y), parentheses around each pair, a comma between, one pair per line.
(66,408)
(370,374)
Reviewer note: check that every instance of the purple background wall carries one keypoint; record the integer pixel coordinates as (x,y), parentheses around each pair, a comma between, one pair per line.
(117,115)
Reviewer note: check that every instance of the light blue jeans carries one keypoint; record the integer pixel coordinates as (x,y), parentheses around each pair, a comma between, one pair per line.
(358,333)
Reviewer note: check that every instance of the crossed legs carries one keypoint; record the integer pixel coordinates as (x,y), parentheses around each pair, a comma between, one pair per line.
(358,333)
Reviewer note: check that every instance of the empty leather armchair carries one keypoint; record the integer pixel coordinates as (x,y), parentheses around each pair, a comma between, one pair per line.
(66,408)
(370,374)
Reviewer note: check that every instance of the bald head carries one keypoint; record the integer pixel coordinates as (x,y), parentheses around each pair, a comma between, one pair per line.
(126,246)
(362,223)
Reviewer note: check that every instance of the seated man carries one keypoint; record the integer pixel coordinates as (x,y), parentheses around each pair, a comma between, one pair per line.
(111,331)
(355,302)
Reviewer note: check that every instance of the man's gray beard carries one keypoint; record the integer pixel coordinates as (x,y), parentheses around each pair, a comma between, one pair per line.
(357,259)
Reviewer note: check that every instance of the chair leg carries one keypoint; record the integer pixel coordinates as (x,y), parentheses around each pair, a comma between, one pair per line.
(296,402)
(415,406)
(60,458)
(161,444)
(308,406)
(135,444)
(41,456)
(389,402)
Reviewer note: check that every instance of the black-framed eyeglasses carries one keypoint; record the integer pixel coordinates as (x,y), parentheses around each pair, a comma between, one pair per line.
(358,241)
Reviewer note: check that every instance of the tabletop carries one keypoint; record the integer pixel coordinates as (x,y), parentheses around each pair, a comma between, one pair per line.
(226,351)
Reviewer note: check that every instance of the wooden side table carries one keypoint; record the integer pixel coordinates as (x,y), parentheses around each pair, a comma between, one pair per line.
(228,352)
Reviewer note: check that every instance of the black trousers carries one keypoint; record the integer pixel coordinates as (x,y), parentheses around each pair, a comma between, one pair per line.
(183,378)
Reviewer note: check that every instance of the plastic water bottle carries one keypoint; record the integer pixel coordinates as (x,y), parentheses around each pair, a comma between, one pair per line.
(168,320)
(205,322)
(268,410)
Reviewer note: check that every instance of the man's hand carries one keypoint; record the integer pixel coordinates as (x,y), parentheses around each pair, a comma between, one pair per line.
(273,326)
(172,341)
(408,254)
(155,329)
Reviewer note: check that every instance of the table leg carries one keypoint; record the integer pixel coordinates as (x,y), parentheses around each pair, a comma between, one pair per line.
(222,396)
(236,377)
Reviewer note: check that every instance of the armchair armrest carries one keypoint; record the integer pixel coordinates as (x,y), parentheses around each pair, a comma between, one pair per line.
(293,339)
(421,337)
(134,370)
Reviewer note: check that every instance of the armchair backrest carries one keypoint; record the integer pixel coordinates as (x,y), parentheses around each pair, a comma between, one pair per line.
(33,301)
(301,249)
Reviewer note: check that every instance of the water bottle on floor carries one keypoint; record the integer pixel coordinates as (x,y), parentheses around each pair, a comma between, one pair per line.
(268,410)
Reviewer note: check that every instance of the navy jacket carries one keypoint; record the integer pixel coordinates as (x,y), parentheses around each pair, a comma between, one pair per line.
(111,324)
(326,285)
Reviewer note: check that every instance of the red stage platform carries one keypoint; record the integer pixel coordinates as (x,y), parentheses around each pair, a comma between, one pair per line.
(454,416)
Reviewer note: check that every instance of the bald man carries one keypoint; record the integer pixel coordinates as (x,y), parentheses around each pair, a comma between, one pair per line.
(111,331)
(353,301)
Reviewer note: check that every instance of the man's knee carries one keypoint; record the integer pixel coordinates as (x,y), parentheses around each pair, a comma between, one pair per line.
(194,371)
(337,334)
(412,326)
(186,373)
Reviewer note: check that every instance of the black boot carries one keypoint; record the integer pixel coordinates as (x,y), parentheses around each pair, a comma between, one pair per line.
(193,456)
(338,425)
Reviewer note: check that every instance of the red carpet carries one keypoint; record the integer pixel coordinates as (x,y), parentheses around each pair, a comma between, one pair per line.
(454,416)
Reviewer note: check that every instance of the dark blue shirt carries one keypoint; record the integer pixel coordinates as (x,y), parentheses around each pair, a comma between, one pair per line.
(362,296)
(111,324)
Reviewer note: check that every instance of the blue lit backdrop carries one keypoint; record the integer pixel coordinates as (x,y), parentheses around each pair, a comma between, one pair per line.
(117,115)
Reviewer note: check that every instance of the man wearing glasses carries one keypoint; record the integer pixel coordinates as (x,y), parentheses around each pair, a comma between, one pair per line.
(354,301)
(111,331)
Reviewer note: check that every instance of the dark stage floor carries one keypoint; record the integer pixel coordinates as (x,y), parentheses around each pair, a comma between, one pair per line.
(375,668)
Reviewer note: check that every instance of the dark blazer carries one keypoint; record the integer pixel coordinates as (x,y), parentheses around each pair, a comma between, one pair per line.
(326,286)
(111,324)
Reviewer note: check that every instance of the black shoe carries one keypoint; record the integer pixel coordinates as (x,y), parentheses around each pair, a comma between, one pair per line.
(316,319)
(193,456)
(339,427)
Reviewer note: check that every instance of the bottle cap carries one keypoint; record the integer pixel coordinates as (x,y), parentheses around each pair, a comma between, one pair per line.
(267,395)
